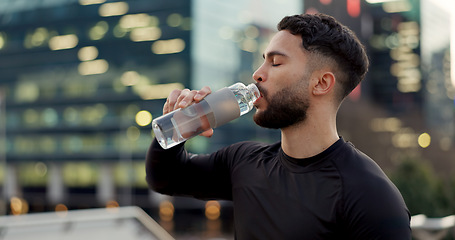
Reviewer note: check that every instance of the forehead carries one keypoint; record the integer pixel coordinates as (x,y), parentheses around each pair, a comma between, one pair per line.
(286,43)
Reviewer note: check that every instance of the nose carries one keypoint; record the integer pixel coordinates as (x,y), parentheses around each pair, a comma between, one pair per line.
(259,75)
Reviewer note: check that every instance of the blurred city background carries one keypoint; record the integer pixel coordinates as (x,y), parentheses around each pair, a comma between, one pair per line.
(81,80)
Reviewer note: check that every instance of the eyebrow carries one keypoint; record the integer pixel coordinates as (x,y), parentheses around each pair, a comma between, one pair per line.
(274,53)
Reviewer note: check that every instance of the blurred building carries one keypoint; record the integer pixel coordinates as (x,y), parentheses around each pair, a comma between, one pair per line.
(407,98)
(389,30)
(438,66)
(396,80)
(81,81)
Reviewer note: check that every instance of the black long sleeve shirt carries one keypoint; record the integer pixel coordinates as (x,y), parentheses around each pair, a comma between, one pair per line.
(338,194)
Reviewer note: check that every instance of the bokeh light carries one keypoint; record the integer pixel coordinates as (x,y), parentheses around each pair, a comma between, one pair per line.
(143,118)
(61,210)
(212,210)
(166,211)
(18,206)
(424,140)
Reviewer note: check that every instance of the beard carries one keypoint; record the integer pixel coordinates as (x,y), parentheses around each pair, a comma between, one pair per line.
(285,108)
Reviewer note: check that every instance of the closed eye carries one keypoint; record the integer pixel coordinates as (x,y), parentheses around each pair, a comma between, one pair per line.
(275,58)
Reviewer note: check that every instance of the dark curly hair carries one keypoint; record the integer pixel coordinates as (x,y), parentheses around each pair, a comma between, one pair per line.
(324,35)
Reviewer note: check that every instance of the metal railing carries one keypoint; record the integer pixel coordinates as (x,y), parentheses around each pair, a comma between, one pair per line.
(107,223)
(424,228)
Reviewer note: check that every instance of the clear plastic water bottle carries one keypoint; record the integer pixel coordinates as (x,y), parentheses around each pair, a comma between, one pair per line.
(213,111)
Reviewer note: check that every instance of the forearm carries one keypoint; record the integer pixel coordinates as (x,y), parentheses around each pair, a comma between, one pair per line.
(161,166)
(176,172)
(171,171)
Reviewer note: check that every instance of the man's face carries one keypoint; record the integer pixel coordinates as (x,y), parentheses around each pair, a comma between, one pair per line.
(283,82)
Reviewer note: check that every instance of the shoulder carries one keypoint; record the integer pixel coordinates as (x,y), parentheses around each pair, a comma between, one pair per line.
(354,164)
(372,205)
(360,173)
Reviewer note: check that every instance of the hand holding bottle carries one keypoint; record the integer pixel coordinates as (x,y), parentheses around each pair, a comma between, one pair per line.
(189,113)
(184,98)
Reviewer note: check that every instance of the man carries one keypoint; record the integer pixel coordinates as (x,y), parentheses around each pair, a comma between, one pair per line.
(312,184)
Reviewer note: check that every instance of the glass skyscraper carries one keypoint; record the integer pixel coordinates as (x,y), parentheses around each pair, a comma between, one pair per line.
(81,81)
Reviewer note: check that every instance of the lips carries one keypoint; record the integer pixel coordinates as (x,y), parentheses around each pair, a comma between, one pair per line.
(261,95)
(257,100)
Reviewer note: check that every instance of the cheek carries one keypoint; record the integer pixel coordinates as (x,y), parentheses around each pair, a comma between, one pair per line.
(284,77)
(290,75)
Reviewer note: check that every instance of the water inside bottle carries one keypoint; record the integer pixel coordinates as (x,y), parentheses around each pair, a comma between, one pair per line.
(178,126)
(166,134)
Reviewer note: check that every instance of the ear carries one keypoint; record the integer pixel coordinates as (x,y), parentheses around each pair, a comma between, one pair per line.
(325,83)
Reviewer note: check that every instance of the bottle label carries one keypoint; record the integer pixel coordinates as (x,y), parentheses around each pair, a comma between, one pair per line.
(224,106)
(193,120)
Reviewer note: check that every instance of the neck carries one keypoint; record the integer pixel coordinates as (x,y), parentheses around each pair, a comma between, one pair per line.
(311,137)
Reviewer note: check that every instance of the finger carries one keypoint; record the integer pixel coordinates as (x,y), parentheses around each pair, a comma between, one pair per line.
(186,98)
(208,133)
(202,93)
(166,107)
(171,100)
(179,98)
